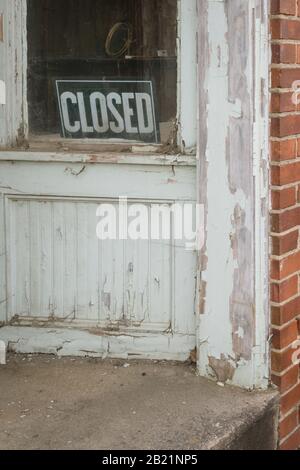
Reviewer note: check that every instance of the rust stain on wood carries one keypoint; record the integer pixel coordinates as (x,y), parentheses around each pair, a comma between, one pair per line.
(1,28)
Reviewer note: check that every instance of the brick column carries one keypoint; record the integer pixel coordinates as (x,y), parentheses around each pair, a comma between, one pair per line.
(285,217)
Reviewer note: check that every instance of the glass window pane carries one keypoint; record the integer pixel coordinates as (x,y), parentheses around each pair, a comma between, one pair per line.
(104,69)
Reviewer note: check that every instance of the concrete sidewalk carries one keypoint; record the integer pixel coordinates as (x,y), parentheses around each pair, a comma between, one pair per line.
(51,403)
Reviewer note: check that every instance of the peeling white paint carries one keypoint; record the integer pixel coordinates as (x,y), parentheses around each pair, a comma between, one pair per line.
(219,276)
(2,353)
(232,163)
(187,71)
(13,63)
(2,92)
(74,342)
(57,273)
(240,333)
(234,312)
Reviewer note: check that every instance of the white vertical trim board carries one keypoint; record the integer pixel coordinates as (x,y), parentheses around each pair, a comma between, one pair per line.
(13,69)
(233,300)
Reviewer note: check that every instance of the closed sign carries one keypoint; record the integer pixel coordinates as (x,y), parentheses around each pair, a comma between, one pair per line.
(122,110)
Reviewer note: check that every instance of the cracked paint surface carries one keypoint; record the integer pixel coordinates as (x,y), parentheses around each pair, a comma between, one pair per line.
(227,286)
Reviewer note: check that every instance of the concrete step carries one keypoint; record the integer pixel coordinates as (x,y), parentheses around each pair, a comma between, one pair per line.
(84,403)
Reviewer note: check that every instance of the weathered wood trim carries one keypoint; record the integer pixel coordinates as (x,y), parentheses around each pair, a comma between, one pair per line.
(232,185)
(13,68)
(90,342)
(187,76)
(3,284)
(100,158)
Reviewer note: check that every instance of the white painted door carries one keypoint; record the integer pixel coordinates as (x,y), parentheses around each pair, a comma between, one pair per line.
(135,297)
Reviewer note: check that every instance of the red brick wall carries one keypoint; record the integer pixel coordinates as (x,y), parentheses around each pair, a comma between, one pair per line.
(285,217)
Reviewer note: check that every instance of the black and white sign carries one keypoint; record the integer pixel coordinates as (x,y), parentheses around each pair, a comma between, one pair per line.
(123,110)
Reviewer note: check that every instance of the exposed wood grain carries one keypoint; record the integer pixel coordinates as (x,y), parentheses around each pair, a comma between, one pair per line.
(233,66)
(13,64)
(1,28)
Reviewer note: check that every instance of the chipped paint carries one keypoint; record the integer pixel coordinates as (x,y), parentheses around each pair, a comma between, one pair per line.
(232,184)
(128,288)
(223,368)
(13,60)
(74,342)
(230,306)
(1,28)
(75,172)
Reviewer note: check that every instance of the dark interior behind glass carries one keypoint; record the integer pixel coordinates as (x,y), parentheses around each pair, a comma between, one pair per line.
(81,39)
